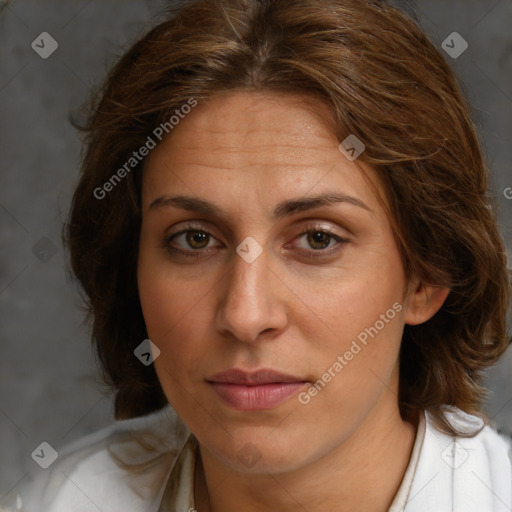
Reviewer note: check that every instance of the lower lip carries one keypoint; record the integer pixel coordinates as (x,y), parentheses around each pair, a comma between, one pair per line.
(254,398)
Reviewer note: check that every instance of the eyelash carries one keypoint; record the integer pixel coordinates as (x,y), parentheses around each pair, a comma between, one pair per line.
(320,253)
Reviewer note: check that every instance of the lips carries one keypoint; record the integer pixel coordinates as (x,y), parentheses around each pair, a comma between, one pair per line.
(259,390)
(263,376)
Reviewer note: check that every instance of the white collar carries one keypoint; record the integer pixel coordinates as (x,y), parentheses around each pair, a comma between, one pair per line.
(147,465)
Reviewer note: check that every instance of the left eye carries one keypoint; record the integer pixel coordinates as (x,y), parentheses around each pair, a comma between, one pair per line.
(319,239)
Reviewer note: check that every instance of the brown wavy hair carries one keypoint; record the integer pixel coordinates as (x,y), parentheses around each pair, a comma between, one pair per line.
(386,83)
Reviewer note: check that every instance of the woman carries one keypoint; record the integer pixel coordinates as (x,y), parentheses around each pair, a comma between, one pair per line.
(293,273)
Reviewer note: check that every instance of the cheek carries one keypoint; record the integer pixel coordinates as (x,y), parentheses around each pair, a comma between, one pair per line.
(161,310)
(175,315)
(355,362)
(176,323)
(167,314)
(164,299)
(369,297)
(365,333)
(362,322)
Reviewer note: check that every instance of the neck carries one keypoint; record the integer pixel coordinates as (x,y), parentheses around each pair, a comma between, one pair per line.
(363,473)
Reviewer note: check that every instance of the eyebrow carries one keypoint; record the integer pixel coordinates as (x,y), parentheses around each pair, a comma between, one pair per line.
(282,209)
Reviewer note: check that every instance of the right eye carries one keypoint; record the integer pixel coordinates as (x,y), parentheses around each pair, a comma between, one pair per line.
(190,241)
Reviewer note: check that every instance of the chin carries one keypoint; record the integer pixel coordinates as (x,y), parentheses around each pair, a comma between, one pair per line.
(247,454)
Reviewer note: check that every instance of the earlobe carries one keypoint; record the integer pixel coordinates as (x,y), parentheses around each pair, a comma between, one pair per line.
(423,302)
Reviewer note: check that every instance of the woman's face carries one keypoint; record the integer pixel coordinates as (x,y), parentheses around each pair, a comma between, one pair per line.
(239,268)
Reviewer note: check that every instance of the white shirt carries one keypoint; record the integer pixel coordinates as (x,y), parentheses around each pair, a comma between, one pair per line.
(147,465)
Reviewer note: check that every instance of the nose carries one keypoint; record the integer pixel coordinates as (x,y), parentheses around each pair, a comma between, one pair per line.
(251,300)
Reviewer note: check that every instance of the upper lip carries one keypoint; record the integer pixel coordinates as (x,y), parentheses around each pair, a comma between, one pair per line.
(263,376)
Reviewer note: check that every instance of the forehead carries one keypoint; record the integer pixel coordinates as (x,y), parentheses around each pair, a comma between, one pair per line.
(254,141)
(255,120)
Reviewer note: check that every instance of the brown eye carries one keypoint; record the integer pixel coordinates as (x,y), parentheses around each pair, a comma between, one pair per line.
(319,239)
(196,239)
(319,243)
(193,241)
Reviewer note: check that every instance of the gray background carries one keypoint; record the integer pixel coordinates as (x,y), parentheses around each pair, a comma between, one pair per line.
(49,388)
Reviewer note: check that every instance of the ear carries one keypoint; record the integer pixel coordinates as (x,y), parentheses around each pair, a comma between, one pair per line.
(423,301)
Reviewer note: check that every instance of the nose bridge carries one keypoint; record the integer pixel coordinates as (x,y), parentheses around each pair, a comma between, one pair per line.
(247,305)
(247,284)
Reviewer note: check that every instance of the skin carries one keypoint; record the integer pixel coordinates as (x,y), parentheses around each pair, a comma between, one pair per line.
(348,448)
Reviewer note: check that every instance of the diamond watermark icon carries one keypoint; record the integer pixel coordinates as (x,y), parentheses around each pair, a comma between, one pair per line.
(352,147)
(249,455)
(249,249)
(44,249)
(44,44)
(45,455)
(455,455)
(147,352)
(454,45)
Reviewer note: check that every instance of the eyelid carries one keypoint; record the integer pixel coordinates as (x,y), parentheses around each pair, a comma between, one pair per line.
(328,228)
(189,226)
(310,225)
